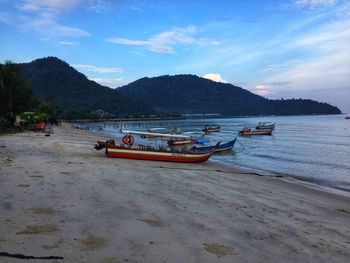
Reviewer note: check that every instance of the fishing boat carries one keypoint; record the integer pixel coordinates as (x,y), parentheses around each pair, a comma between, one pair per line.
(265,126)
(183,141)
(152,132)
(175,142)
(156,134)
(247,131)
(211,128)
(149,153)
(220,148)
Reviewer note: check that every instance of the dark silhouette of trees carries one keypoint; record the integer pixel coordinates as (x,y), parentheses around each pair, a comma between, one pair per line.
(192,94)
(53,79)
(15,95)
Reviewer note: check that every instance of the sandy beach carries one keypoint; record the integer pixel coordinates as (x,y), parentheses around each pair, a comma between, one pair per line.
(61,198)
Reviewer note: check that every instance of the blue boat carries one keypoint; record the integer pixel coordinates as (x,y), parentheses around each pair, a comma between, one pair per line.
(220,148)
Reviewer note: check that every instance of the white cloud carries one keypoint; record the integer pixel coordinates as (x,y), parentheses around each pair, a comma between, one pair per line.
(332,70)
(165,42)
(50,5)
(91,68)
(67,43)
(42,16)
(326,66)
(280,66)
(313,3)
(329,74)
(215,77)
(263,86)
(263,89)
(333,32)
(50,27)
(4,18)
(110,82)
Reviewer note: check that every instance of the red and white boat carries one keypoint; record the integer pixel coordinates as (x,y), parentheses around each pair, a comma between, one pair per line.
(143,152)
(214,128)
(248,132)
(148,153)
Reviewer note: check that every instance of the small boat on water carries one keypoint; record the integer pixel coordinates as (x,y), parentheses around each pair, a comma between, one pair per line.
(183,141)
(149,153)
(211,128)
(265,126)
(247,131)
(347,117)
(219,148)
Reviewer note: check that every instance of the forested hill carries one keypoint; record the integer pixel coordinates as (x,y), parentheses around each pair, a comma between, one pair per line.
(192,94)
(53,79)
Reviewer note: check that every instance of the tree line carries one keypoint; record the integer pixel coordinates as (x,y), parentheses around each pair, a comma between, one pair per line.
(16,98)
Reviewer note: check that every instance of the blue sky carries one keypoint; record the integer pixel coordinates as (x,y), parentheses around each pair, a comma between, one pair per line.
(278,49)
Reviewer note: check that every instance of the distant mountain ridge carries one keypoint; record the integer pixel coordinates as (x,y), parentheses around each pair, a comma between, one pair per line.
(52,78)
(193,94)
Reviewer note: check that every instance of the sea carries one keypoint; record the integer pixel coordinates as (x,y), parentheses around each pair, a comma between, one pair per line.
(312,148)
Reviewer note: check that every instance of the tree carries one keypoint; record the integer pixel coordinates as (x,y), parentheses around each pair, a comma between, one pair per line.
(15,96)
(48,108)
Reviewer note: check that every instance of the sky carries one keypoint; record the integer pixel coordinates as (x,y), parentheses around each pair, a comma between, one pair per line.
(277,49)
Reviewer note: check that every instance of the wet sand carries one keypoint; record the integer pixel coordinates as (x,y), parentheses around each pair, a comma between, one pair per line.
(61,198)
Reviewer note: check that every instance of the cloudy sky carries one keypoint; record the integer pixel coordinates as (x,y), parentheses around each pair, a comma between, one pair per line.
(277,49)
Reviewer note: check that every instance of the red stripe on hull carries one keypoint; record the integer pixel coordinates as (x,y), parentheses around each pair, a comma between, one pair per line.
(175,158)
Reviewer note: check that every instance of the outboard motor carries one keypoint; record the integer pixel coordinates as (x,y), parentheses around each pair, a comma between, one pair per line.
(101,145)
(110,142)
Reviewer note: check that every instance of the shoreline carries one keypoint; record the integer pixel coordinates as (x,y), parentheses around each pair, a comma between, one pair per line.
(259,172)
(307,181)
(60,197)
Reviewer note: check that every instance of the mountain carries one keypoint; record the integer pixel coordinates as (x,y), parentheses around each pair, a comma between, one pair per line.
(192,94)
(53,79)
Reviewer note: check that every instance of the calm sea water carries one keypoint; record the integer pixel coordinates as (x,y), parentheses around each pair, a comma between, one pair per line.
(315,148)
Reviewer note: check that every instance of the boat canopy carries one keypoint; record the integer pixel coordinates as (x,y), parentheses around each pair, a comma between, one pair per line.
(157,134)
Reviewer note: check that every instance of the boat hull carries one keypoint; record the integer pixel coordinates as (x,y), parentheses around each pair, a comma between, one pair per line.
(158,156)
(114,151)
(265,127)
(208,129)
(220,148)
(257,132)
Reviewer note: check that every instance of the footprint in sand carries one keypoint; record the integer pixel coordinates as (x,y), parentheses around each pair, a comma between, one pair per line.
(36,176)
(57,244)
(218,250)
(110,260)
(41,210)
(39,229)
(343,210)
(152,222)
(92,243)
(70,173)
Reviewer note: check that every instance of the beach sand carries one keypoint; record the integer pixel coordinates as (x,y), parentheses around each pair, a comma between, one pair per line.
(60,197)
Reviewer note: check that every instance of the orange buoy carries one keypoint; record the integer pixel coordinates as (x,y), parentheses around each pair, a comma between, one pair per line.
(128,140)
